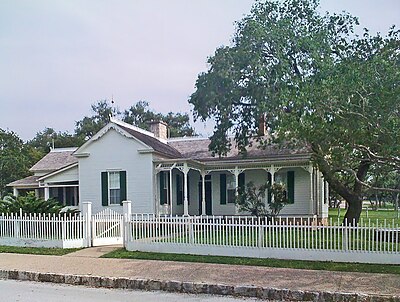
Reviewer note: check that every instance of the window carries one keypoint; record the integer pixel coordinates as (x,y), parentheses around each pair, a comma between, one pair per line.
(113,187)
(164,187)
(288,181)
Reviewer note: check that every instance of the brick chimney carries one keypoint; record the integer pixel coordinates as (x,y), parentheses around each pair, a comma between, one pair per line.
(159,128)
(262,126)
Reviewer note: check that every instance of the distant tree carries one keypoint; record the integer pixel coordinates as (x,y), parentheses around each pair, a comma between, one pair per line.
(90,125)
(15,159)
(140,115)
(29,204)
(251,198)
(45,139)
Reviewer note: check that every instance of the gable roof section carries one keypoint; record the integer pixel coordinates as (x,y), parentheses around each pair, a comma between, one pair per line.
(55,159)
(30,181)
(158,146)
(197,149)
(144,137)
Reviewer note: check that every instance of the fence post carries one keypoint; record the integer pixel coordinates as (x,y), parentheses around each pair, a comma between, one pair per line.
(87,217)
(127,210)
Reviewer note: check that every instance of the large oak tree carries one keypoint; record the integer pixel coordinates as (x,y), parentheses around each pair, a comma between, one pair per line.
(316,83)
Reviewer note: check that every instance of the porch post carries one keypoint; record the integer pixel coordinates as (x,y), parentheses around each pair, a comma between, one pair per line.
(326,192)
(310,170)
(236,173)
(46,193)
(15,192)
(318,193)
(185,196)
(156,193)
(272,171)
(170,191)
(203,193)
(236,181)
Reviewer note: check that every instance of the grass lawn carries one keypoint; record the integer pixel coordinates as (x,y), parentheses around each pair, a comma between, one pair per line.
(35,250)
(380,215)
(298,264)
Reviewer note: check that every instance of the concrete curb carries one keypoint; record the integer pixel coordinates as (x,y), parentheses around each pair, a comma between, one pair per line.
(195,288)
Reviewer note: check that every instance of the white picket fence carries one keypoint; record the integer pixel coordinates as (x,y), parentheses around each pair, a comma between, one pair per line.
(43,230)
(289,238)
(242,236)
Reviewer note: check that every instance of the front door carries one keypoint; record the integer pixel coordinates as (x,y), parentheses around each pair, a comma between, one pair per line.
(208,197)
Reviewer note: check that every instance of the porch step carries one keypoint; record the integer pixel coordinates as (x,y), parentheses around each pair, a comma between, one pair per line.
(94,252)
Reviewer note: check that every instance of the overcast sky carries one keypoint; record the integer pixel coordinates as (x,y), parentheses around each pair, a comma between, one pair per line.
(57,57)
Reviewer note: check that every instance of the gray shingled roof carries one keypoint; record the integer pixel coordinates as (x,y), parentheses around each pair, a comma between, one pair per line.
(198,149)
(55,159)
(154,143)
(27,181)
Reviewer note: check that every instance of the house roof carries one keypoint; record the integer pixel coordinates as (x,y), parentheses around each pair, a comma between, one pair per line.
(30,181)
(198,149)
(55,159)
(157,145)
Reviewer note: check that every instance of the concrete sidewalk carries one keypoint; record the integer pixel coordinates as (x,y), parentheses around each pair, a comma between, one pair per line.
(238,280)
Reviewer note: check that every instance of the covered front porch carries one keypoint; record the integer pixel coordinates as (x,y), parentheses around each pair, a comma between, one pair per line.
(189,187)
(62,185)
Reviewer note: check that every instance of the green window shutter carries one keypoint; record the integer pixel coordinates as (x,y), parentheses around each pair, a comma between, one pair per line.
(269,190)
(104,188)
(290,186)
(222,188)
(122,186)
(241,181)
(162,191)
(179,196)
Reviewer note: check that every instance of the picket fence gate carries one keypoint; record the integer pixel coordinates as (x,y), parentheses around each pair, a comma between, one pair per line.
(107,228)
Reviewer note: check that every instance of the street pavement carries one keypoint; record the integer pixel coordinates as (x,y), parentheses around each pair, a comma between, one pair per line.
(22,291)
(85,262)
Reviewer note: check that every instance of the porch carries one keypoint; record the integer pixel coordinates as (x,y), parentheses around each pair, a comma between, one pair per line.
(188,187)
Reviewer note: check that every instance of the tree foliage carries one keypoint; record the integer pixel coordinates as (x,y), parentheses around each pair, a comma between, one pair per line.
(140,115)
(46,139)
(316,83)
(90,125)
(15,159)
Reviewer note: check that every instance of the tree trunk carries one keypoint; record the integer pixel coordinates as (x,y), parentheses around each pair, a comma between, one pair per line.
(354,209)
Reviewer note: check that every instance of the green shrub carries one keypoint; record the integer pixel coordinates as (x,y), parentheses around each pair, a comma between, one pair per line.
(29,204)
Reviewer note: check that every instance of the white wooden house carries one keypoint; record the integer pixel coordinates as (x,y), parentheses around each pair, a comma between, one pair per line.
(174,176)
